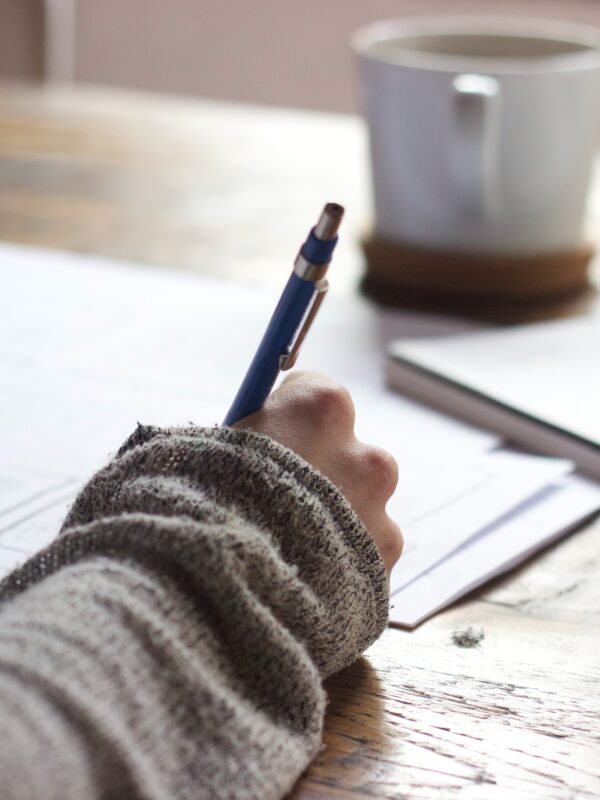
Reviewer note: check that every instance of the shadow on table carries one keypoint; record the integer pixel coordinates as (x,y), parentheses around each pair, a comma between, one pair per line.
(357,748)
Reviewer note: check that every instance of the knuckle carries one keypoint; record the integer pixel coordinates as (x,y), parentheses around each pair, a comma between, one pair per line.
(391,543)
(382,469)
(333,404)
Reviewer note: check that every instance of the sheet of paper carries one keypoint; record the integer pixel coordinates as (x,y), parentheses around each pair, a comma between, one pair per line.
(504,481)
(31,529)
(53,303)
(550,515)
(90,348)
(96,342)
(20,485)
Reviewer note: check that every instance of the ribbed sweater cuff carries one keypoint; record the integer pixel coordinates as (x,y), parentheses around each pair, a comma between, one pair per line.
(169,479)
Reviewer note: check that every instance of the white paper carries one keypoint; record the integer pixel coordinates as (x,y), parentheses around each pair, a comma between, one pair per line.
(501,547)
(31,529)
(502,482)
(20,486)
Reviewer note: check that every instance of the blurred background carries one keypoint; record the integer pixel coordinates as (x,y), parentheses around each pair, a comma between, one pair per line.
(272,52)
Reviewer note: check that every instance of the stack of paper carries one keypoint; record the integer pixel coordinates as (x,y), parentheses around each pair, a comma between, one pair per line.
(89,348)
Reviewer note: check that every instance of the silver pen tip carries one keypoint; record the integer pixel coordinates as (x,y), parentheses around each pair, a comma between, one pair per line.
(327,227)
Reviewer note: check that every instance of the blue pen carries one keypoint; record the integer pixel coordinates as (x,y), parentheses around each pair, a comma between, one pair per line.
(301,298)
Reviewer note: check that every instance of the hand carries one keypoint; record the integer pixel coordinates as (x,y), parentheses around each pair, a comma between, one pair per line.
(315,417)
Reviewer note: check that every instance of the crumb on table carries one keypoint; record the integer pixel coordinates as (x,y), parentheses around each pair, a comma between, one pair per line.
(470,637)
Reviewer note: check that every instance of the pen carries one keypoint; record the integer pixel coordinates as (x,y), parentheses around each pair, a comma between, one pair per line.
(301,298)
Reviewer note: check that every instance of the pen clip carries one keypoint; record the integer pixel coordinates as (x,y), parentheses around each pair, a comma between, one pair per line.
(287,360)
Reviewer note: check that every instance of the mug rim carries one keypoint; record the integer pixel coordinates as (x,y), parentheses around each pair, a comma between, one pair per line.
(364,40)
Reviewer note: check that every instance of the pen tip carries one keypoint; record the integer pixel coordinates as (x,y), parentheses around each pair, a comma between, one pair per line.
(327,227)
(334,210)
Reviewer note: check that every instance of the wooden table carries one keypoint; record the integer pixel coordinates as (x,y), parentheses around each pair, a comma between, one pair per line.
(164,182)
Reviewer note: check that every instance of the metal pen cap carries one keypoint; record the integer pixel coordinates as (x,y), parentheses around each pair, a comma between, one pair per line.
(315,254)
(327,227)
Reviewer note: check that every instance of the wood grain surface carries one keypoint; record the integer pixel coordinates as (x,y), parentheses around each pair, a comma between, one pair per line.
(225,191)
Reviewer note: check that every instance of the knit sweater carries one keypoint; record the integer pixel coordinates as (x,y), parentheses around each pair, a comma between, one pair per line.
(172,641)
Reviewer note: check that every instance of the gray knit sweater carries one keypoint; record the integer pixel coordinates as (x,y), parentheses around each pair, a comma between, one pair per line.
(172,641)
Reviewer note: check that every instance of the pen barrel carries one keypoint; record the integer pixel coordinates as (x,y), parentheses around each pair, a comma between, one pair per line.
(264,369)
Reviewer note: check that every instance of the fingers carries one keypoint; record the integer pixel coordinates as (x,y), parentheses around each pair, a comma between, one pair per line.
(305,376)
(380,470)
(378,473)
(314,416)
(322,404)
(389,540)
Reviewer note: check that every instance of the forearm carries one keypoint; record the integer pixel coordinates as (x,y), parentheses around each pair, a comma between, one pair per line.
(131,692)
(174,637)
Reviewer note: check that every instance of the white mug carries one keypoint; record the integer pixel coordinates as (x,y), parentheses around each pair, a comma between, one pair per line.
(483,131)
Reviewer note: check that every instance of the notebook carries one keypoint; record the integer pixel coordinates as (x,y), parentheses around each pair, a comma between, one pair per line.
(536,385)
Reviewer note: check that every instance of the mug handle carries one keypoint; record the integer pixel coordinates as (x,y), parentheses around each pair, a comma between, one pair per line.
(473,159)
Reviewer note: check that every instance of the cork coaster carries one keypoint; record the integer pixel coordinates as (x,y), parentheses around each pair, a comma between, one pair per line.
(482,285)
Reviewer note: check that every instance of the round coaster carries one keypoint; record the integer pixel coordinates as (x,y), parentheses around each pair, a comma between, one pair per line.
(399,274)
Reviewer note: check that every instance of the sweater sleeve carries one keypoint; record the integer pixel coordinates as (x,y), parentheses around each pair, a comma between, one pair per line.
(171,642)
